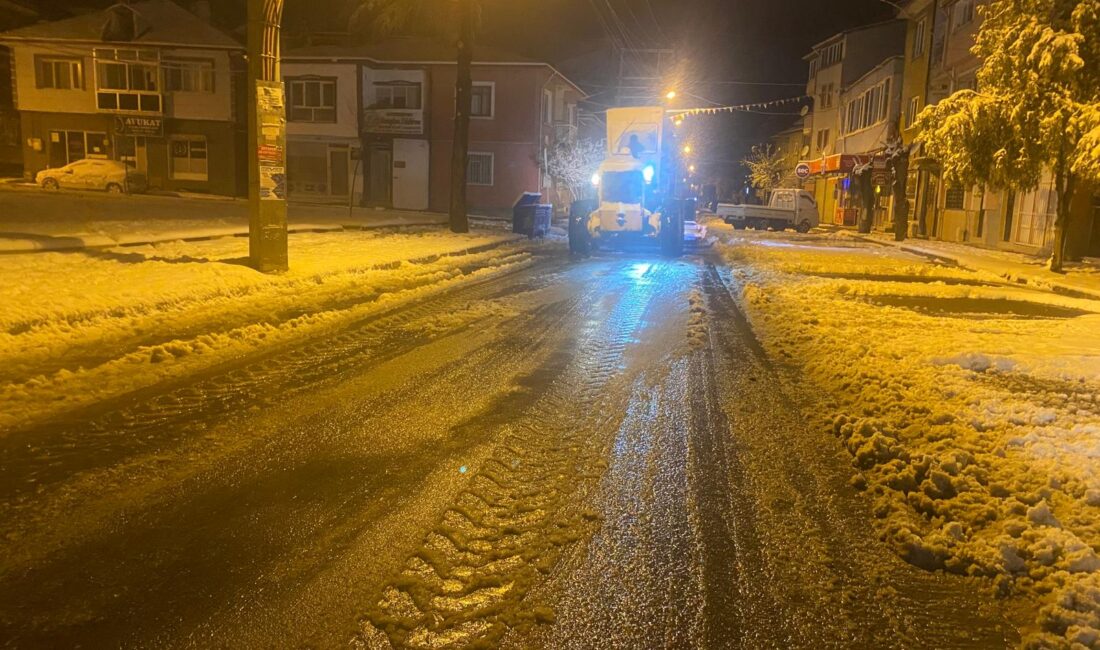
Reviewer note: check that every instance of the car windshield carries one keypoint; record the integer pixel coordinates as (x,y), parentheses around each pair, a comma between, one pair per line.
(622,187)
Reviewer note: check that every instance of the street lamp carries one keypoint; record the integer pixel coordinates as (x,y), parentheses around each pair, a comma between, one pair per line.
(670,94)
(687,148)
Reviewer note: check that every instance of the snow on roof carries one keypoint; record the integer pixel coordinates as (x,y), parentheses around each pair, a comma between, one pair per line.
(160,22)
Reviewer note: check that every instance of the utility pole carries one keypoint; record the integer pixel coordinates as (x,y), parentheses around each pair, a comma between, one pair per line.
(267,232)
(463,91)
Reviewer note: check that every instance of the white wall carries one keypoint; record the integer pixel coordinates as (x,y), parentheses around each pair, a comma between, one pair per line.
(199,105)
(347,100)
(30,98)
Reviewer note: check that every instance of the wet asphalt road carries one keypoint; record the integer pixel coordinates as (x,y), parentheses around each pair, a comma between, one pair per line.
(584,454)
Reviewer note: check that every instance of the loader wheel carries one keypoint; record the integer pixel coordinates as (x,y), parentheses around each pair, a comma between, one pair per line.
(672,235)
(579,240)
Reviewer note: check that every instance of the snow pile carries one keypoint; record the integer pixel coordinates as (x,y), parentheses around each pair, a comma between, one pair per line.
(79,327)
(971,411)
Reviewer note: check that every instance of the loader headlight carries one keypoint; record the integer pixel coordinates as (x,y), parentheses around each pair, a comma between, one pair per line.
(596,179)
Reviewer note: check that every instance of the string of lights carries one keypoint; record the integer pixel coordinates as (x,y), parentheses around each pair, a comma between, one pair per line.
(747,108)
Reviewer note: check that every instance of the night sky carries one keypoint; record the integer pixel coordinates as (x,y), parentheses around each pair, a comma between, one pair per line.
(721,45)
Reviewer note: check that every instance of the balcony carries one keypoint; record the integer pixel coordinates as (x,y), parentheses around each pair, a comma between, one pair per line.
(129,101)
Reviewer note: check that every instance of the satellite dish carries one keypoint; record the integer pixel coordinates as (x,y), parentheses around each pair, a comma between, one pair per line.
(804,111)
(805,150)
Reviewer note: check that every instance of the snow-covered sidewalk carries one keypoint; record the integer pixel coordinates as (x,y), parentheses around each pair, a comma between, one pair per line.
(970,407)
(34,220)
(1081,278)
(80,327)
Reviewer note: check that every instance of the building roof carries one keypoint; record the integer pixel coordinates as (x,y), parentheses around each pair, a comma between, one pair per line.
(413,50)
(834,37)
(159,22)
(888,61)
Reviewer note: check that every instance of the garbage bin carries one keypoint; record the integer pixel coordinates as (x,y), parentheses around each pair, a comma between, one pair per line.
(531,218)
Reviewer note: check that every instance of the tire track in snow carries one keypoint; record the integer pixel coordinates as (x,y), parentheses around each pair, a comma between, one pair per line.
(467,584)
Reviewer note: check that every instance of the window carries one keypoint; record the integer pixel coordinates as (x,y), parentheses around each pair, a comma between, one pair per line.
(962,14)
(481,100)
(822,139)
(918,37)
(398,95)
(827,95)
(954,198)
(547,107)
(870,108)
(813,67)
(127,80)
(312,99)
(832,54)
(59,74)
(188,154)
(479,169)
(189,75)
(912,110)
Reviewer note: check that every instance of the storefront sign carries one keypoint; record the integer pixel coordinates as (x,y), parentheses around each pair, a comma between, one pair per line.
(393,121)
(802,170)
(139,125)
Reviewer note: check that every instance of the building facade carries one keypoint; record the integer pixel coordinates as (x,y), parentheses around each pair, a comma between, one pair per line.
(836,64)
(400,140)
(148,83)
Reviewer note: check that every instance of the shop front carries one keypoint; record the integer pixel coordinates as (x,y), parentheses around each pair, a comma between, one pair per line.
(837,193)
(189,155)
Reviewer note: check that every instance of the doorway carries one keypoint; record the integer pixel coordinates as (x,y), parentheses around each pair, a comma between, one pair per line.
(381,175)
(410,174)
(130,149)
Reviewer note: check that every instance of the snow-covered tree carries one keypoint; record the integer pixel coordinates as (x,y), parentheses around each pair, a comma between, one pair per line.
(573,162)
(1037,105)
(769,168)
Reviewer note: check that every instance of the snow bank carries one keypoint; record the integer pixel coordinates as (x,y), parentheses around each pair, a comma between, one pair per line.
(971,410)
(79,327)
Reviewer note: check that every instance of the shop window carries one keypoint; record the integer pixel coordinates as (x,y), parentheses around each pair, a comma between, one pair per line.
(481,100)
(189,75)
(406,95)
(189,159)
(479,169)
(59,73)
(312,99)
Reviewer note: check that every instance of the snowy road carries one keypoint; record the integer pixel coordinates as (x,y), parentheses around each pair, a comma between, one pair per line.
(579,454)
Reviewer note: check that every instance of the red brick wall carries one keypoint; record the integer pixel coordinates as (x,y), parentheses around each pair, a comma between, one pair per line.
(512,134)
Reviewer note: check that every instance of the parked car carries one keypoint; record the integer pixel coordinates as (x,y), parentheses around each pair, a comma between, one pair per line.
(93,174)
(788,208)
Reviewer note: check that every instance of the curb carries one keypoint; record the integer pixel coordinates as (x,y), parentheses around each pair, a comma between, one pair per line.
(1045,284)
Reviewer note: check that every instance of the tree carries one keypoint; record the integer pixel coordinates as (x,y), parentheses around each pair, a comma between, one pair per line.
(768,168)
(897,161)
(1037,105)
(455,19)
(573,162)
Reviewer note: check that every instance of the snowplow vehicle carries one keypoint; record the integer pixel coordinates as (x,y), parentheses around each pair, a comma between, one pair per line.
(634,205)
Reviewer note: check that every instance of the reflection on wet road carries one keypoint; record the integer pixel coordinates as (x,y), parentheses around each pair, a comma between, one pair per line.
(587,453)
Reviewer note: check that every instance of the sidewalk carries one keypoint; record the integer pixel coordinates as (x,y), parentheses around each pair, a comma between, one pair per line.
(1080,278)
(35,220)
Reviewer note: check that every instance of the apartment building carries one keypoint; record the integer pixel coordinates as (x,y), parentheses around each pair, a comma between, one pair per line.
(404,93)
(836,64)
(148,83)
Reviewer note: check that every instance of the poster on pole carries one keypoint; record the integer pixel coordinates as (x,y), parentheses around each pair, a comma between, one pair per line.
(271,139)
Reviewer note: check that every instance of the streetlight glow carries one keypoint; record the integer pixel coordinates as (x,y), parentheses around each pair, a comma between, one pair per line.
(670,94)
